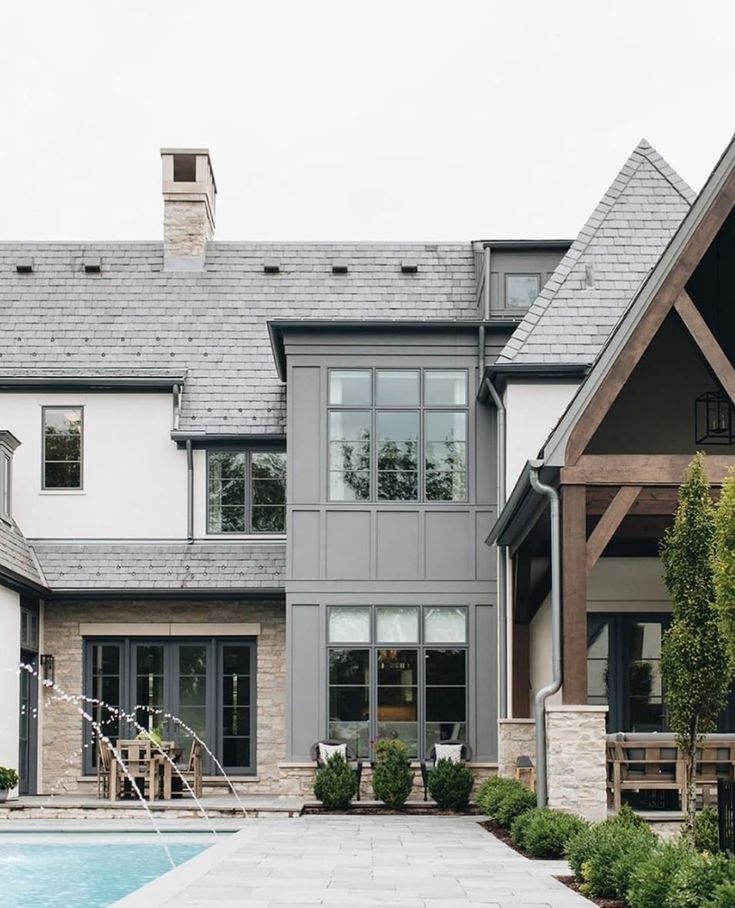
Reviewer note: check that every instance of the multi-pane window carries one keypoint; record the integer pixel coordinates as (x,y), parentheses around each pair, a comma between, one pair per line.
(181,687)
(4,485)
(397,672)
(521,290)
(246,492)
(62,447)
(398,434)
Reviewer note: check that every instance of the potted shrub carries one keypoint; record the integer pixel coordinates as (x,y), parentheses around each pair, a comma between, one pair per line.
(8,780)
(392,776)
(335,784)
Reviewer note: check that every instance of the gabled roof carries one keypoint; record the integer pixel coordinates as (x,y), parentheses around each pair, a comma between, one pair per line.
(134,317)
(16,558)
(583,300)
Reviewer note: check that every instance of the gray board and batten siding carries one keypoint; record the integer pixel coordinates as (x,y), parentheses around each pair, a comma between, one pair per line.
(378,552)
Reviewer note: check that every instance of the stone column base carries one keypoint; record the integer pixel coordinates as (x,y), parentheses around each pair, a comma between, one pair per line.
(516,738)
(576,763)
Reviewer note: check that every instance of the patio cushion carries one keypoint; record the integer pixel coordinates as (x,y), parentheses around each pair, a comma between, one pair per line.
(451,752)
(329,750)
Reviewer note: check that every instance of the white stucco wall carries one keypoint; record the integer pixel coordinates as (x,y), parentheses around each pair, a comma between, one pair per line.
(532,411)
(9,681)
(614,585)
(134,476)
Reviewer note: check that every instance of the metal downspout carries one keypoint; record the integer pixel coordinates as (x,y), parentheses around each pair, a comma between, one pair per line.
(189,491)
(502,561)
(542,696)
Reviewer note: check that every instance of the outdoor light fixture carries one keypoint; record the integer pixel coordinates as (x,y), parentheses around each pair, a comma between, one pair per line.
(47,663)
(713,424)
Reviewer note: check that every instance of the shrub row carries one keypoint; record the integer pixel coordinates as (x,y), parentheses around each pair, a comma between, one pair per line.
(449,783)
(622,859)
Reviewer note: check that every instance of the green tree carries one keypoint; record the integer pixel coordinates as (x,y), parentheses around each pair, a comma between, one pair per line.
(724,560)
(695,663)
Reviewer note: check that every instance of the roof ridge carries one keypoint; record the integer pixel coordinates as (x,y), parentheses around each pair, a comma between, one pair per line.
(642,151)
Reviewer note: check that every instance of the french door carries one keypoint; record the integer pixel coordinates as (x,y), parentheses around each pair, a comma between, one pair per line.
(179,688)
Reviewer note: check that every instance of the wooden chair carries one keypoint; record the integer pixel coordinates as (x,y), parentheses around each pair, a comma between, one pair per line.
(140,764)
(352,760)
(465,757)
(105,759)
(191,771)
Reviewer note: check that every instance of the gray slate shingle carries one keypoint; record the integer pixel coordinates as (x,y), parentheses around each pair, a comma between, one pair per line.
(72,566)
(15,553)
(135,317)
(582,302)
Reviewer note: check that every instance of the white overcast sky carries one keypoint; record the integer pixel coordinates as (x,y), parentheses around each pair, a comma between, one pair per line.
(400,120)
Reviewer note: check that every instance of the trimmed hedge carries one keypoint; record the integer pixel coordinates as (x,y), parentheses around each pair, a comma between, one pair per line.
(544,832)
(496,791)
(513,805)
(392,776)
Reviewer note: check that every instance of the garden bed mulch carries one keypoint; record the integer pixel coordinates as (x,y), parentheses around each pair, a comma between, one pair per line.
(383,811)
(572,883)
(504,835)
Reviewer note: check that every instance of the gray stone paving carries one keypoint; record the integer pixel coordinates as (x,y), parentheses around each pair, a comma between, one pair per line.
(392,862)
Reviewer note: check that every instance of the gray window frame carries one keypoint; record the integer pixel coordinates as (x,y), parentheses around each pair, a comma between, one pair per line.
(248,503)
(421,646)
(421,408)
(214,718)
(510,274)
(44,409)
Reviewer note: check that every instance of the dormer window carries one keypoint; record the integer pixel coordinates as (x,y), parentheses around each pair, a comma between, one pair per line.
(62,447)
(521,290)
(4,485)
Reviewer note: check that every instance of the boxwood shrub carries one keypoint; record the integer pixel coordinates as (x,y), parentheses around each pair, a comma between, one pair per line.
(450,785)
(544,832)
(604,857)
(335,784)
(513,805)
(494,791)
(652,879)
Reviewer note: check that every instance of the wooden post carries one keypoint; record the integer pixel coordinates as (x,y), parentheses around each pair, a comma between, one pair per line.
(574,594)
(521,687)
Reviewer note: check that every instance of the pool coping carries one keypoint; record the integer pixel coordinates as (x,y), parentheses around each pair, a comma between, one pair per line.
(172,882)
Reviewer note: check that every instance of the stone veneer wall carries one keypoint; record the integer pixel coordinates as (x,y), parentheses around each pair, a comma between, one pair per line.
(61,734)
(576,764)
(516,738)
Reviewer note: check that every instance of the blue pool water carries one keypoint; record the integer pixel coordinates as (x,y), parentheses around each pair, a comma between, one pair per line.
(81,876)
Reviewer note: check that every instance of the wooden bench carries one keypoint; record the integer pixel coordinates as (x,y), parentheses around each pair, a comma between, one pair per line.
(653,762)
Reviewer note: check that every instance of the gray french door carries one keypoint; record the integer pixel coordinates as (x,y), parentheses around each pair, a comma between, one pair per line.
(176,687)
(28,724)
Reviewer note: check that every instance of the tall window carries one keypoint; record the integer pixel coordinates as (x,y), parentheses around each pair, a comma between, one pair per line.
(4,485)
(246,492)
(62,447)
(398,434)
(397,672)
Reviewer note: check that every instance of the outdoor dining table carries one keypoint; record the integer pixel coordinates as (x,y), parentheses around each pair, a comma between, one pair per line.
(153,763)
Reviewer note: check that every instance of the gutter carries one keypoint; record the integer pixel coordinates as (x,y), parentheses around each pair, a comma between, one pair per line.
(554,685)
(501,555)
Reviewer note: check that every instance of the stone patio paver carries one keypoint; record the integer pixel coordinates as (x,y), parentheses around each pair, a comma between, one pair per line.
(362,862)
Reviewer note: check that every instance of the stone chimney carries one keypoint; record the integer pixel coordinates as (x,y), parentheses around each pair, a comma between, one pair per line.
(189,196)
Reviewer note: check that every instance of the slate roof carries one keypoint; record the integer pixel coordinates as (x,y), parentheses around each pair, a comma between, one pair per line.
(578,309)
(77,566)
(15,554)
(134,317)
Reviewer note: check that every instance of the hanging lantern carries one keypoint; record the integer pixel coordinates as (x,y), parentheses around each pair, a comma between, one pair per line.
(713,423)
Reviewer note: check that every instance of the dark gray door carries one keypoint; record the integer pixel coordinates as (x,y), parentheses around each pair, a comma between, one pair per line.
(28,704)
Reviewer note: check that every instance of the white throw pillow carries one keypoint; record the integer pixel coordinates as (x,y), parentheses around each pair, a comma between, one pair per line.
(452,752)
(329,750)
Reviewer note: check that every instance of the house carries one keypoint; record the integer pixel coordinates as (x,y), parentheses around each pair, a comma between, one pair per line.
(263,487)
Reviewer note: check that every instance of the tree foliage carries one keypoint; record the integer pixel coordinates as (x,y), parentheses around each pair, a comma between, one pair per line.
(695,663)
(724,560)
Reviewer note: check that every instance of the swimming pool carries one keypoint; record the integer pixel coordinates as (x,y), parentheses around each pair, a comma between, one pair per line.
(82,875)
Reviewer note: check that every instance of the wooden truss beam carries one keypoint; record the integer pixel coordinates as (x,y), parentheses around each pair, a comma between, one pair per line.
(707,343)
(641,469)
(609,522)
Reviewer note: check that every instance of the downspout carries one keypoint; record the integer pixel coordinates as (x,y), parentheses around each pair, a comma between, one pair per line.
(189,491)
(543,695)
(502,561)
